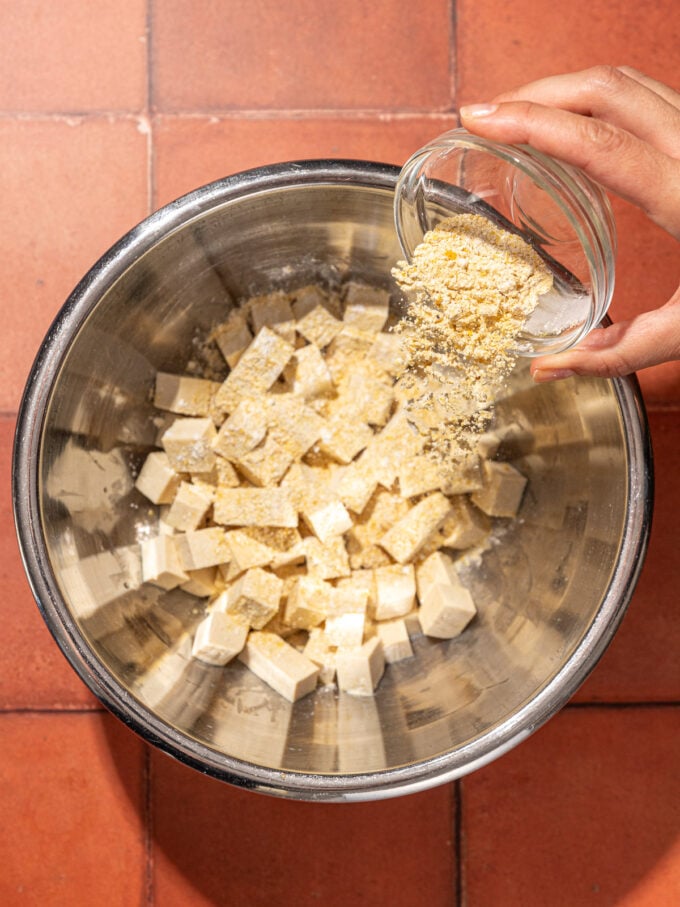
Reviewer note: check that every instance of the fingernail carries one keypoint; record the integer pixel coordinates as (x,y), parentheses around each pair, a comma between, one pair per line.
(551,374)
(478,110)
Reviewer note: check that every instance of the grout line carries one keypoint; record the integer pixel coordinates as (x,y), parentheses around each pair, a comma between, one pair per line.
(219,113)
(458,841)
(52,710)
(453,58)
(149,893)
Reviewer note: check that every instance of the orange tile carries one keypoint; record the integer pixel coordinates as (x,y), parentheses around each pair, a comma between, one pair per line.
(646,277)
(33,672)
(215,844)
(585,812)
(190,152)
(71,811)
(306,55)
(641,664)
(501,47)
(70,188)
(57,57)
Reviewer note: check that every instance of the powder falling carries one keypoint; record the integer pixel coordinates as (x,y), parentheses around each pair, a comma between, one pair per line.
(470,288)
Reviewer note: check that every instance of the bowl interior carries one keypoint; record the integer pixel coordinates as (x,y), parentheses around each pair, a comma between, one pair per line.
(542,588)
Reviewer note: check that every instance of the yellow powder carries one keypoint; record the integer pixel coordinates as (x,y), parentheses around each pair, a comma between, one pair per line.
(470,288)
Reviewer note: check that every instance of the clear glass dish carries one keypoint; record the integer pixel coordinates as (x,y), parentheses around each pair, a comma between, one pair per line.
(556,208)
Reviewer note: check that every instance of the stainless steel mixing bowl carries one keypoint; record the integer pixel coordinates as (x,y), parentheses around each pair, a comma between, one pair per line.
(551,591)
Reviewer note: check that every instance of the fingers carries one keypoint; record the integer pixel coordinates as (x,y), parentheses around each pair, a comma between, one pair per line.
(622,348)
(622,97)
(610,155)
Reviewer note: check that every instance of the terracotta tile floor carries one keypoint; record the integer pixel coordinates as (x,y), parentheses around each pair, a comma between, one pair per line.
(109,110)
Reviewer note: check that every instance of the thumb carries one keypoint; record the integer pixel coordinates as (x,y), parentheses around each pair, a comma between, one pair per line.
(621,348)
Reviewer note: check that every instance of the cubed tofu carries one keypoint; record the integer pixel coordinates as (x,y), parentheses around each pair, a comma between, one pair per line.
(294,426)
(279,665)
(160,562)
(360,668)
(189,508)
(366,308)
(326,561)
(364,582)
(356,486)
(255,596)
(321,653)
(184,395)
(157,480)
(265,464)
(233,338)
(465,527)
(422,474)
(285,545)
(318,326)
(273,310)
(387,350)
(503,490)
(407,537)
(445,610)
(437,569)
(219,638)
(246,552)
(345,629)
(254,507)
(307,373)
(202,548)
(325,516)
(343,439)
(243,430)
(201,583)
(395,591)
(307,602)
(188,444)
(395,640)
(256,371)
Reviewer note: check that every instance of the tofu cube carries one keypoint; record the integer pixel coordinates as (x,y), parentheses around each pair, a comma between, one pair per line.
(343,439)
(445,610)
(202,583)
(255,596)
(356,485)
(233,338)
(395,640)
(161,564)
(465,527)
(318,326)
(157,480)
(294,426)
(387,350)
(503,489)
(188,444)
(345,629)
(256,371)
(242,430)
(273,310)
(307,602)
(407,537)
(436,570)
(307,373)
(202,548)
(366,308)
(189,508)
(327,518)
(285,545)
(359,669)
(246,552)
(348,347)
(395,591)
(280,665)
(254,507)
(321,653)
(364,582)
(219,638)
(266,464)
(326,561)
(184,395)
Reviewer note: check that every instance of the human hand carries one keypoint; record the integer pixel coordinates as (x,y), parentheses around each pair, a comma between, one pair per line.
(623,129)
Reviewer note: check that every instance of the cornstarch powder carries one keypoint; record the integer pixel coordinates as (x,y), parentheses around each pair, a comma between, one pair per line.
(470,288)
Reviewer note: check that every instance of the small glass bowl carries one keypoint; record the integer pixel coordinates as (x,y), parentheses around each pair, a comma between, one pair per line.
(556,208)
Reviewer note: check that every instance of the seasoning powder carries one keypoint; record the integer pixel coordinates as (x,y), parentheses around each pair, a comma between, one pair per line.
(470,288)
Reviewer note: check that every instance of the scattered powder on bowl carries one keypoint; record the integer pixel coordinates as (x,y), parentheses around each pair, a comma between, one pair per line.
(470,288)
